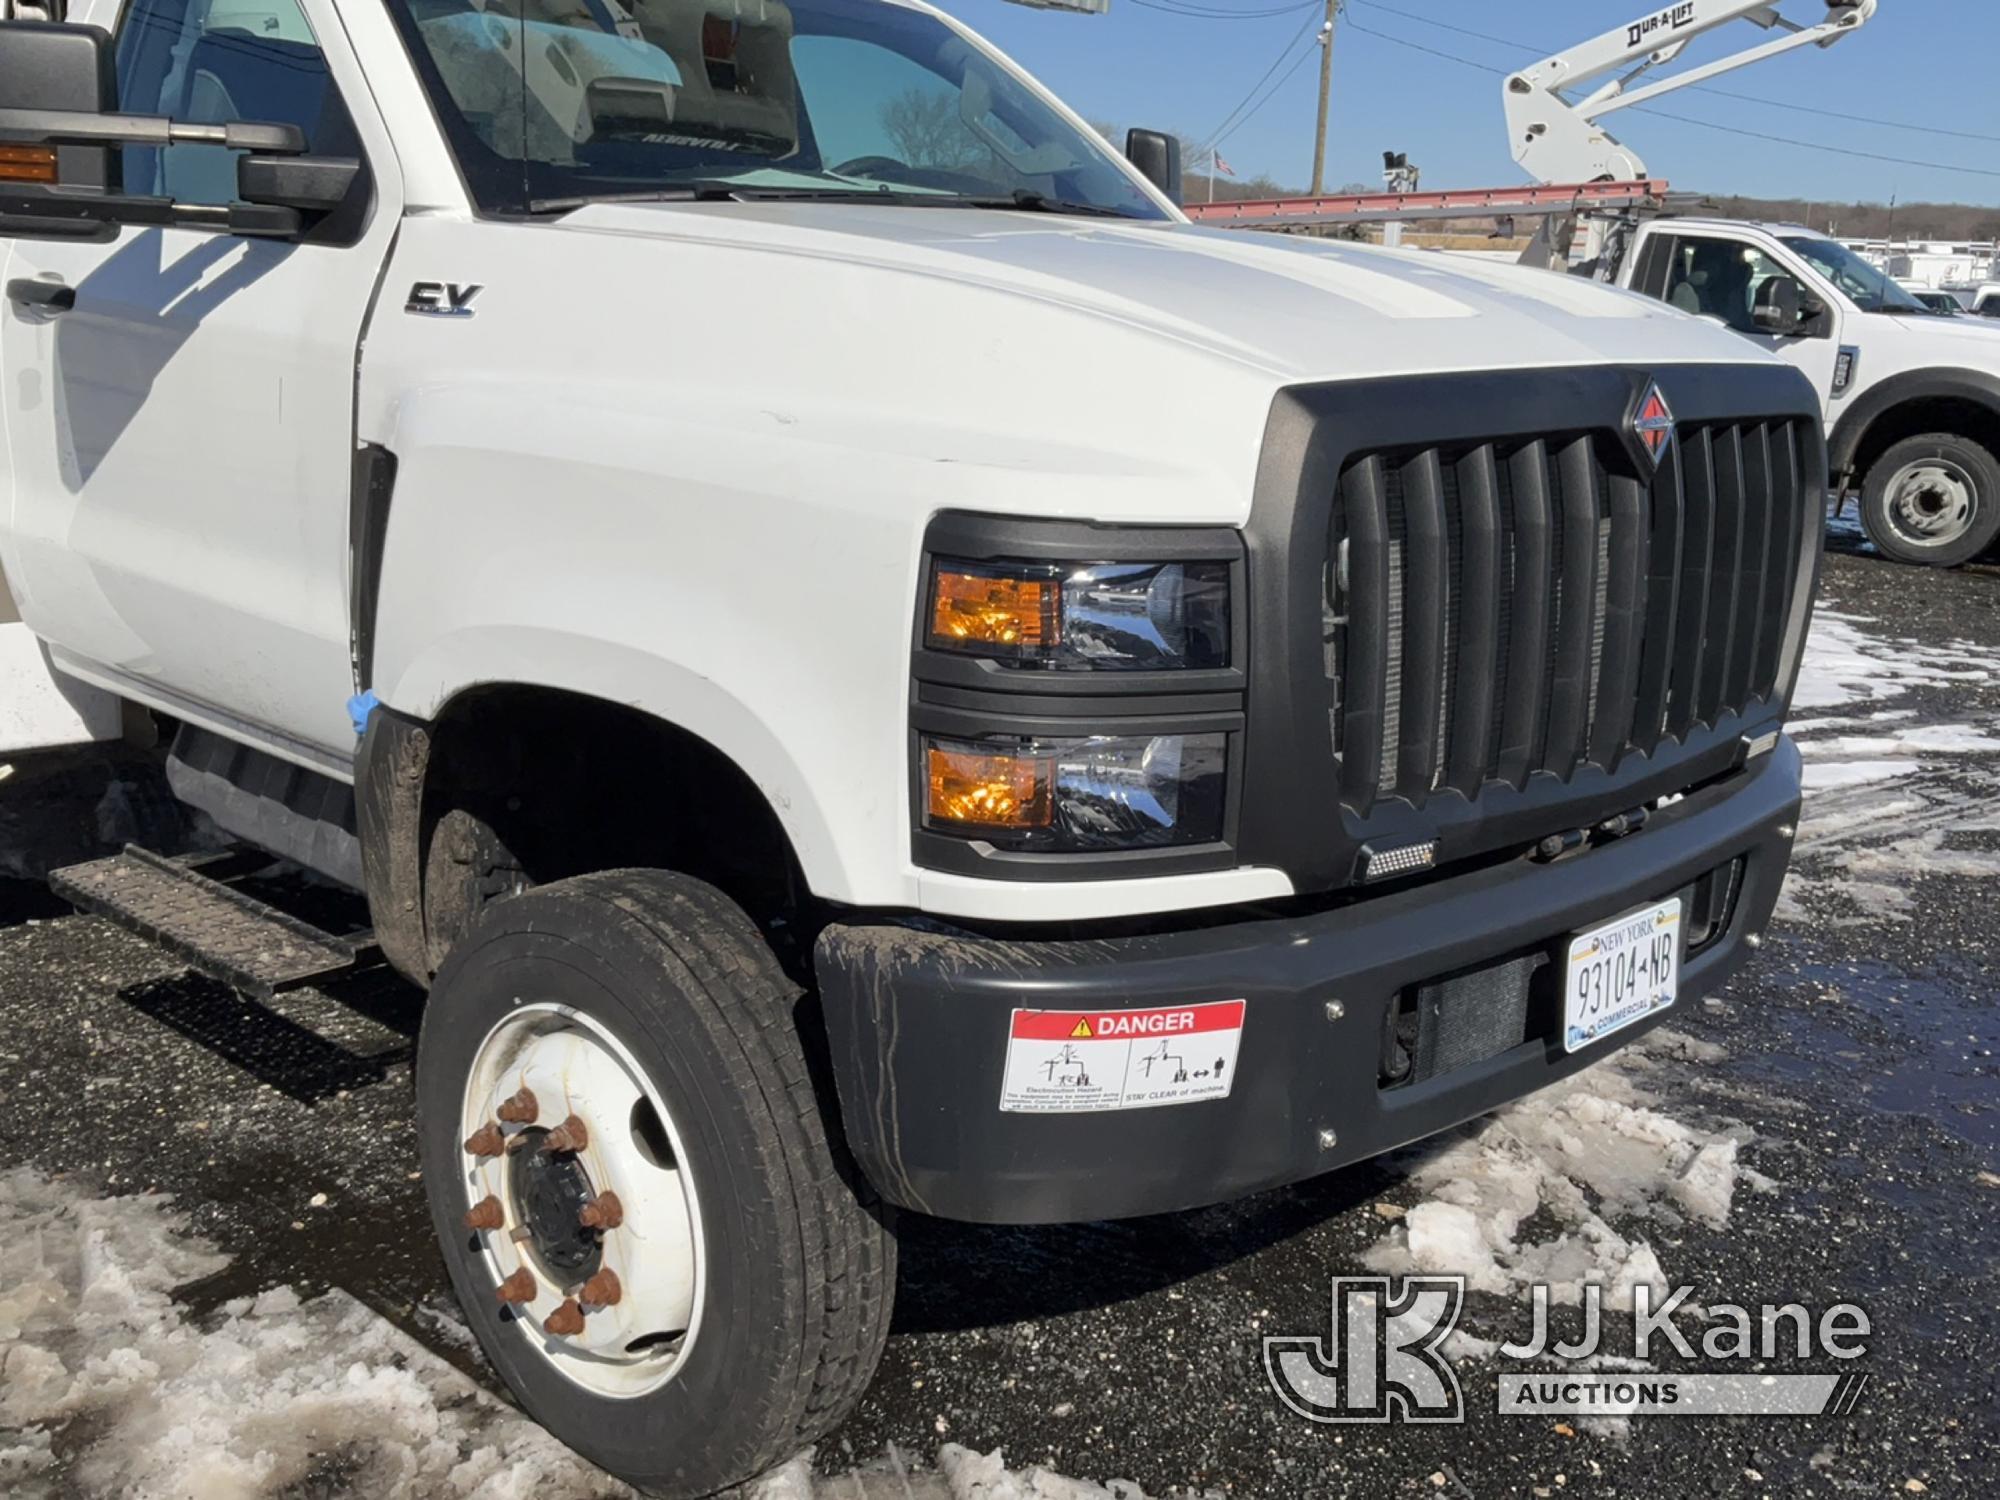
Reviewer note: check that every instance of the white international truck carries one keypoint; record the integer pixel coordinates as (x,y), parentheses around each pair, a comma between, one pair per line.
(864,663)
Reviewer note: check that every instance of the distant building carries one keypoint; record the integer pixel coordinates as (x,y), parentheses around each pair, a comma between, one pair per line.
(1932,262)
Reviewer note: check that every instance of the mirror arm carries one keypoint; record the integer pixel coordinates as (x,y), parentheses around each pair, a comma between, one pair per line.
(51,127)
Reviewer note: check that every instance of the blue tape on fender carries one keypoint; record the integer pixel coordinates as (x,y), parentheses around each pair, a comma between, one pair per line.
(359,707)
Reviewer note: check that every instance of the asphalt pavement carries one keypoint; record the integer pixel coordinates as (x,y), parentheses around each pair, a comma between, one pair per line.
(1844,1089)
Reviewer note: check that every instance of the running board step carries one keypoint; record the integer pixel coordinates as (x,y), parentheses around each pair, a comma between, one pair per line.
(213,928)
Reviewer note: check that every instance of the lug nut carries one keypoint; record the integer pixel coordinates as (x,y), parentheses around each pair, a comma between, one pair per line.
(486,1141)
(566,1321)
(602,1212)
(485,1214)
(520,1287)
(603,1290)
(571,1135)
(520,1110)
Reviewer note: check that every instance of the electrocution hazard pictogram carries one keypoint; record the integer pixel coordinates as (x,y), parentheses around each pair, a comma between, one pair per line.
(1070,1061)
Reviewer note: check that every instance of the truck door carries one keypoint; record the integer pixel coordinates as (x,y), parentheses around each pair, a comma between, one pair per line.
(182,432)
(1719,276)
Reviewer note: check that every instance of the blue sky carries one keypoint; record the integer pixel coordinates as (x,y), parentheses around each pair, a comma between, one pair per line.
(1919,62)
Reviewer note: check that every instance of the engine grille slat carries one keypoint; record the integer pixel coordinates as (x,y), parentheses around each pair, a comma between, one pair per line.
(1532,604)
(1366,660)
(1576,617)
(1527,656)
(1695,455)
(1726,586)
(1469,735)
(1624,594)
(1660,630)
(1750,617)
(1424,595)
(1786,527)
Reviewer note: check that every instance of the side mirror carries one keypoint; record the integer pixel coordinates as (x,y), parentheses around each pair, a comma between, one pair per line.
(59,123)
(64,69)
(1779,306)
(1157,155)
(314,185)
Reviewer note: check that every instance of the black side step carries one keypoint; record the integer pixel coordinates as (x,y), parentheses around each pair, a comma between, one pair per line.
(213,928)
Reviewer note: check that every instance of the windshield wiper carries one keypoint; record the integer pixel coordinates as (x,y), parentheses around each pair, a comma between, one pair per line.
(693,192)
(725,192)
(1038,203)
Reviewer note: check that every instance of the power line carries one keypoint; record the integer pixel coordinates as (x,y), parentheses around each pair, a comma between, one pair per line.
(1275,89)
(1201,12)
(1700,88)
(1783,140)
(1297,37)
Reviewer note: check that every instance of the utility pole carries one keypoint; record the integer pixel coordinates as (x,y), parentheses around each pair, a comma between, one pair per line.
(1325,89)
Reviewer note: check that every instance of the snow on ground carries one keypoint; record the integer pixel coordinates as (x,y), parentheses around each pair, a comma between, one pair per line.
(1530,1195)
(1887,800)
(109,1388)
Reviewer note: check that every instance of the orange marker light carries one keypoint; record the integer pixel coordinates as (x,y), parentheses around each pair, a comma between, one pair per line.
(975,609)
(28,164)
(989,791)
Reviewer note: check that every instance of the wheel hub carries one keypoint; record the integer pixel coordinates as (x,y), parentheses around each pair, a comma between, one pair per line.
(1932,502)
(548,1191)
(581,1207)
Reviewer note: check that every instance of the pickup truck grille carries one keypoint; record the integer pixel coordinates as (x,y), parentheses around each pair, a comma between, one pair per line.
(1498,609)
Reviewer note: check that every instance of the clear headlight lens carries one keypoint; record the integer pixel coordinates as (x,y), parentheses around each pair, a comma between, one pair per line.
(1104,616)
(1076,794)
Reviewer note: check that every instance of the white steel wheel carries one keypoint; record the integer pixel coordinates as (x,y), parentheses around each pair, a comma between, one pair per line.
(656,1240)
(597,1241)
(1933,499)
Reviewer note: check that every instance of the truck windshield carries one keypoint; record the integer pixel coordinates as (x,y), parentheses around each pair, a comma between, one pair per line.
(1869,287)
(552,103)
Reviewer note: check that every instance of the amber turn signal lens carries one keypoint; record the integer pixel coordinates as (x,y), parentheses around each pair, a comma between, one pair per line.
(989,791)
(978,609)
(28,164)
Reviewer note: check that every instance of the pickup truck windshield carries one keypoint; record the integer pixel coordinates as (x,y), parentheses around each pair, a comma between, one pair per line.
(549,103)
(1867,286)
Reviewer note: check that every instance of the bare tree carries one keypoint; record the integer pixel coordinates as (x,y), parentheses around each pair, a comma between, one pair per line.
(927,131)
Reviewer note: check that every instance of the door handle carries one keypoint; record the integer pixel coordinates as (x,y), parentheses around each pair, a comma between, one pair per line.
(49,296)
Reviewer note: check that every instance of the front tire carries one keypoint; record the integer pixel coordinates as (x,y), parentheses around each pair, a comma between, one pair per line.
(1933,499)
(750,1282)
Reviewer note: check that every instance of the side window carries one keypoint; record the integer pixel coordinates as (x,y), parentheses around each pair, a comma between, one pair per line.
(213,62)
(1719,279)
(1653,263)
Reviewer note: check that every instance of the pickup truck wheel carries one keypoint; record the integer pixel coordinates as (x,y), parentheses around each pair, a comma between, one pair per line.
(1933,499)
(653,1238)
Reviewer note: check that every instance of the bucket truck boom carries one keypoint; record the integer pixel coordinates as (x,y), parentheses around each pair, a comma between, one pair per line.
(1557,137)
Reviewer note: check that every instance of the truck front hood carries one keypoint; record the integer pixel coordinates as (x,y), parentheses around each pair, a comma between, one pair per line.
(1296,308)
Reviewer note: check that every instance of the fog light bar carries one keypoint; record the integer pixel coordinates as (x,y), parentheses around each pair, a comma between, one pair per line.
(28,164)
(1400,859)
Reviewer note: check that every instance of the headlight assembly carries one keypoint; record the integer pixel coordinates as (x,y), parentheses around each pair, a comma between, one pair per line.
(1098,617)
(1078,794)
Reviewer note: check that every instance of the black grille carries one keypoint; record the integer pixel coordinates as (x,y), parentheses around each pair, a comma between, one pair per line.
(1501,608)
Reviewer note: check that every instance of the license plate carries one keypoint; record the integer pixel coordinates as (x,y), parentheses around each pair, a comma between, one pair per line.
(1621,973)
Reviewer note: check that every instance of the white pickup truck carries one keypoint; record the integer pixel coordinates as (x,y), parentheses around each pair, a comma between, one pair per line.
(1911,398)
(865,663)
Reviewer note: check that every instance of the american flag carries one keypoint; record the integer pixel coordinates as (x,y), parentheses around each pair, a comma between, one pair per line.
(1223,167)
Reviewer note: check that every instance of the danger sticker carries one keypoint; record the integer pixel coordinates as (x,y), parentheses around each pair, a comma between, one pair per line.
(1078,1061)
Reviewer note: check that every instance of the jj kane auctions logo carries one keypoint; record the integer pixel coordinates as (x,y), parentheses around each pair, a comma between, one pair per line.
(1382,1358)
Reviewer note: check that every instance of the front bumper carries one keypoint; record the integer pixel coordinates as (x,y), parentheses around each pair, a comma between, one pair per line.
(919,1021)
